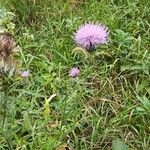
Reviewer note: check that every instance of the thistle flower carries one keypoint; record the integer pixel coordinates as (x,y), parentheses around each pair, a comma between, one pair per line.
(74,72)
(25,74)
(90,35)
(7,46)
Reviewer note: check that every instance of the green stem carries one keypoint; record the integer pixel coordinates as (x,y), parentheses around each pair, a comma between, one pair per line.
(5,86)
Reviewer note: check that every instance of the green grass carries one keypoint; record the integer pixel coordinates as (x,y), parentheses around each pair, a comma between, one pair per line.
(109,100)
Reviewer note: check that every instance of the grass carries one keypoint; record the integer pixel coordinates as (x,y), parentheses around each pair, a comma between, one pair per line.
(109,100)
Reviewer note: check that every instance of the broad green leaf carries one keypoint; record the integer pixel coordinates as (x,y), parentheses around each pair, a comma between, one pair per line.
(47,109)
(46,112)
(140,109)
(144,101)
(119,145)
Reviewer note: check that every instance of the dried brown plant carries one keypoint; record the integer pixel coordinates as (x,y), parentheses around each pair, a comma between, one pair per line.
(7,48)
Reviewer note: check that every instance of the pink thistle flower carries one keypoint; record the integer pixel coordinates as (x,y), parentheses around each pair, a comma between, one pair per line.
(25,74)
(91,35)
(74,72)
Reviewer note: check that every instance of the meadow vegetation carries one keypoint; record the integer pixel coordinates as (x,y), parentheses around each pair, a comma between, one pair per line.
(106,106)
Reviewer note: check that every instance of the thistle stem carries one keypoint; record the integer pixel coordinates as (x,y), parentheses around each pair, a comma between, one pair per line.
(5,86)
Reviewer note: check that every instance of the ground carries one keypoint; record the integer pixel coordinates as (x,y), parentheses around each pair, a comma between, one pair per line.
(108,102)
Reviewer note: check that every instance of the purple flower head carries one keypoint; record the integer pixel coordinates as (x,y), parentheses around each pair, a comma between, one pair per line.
(91,35)
(74,72)
(25,74)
